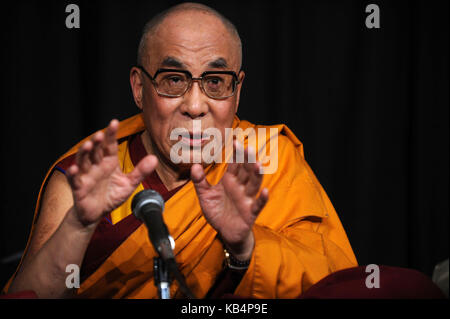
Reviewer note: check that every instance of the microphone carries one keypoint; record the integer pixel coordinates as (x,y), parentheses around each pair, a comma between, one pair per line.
(148,206)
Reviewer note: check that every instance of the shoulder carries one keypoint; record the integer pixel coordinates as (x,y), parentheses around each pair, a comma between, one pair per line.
(65,163)
(277,133)
(278,149)
(295,192)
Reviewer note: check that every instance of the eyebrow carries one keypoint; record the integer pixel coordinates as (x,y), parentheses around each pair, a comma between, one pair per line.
(219,63)
(172,62)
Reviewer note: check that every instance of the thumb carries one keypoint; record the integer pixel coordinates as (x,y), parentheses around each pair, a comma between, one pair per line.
(145,167)
(198,177)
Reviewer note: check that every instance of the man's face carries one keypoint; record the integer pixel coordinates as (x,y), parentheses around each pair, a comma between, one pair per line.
(196,42)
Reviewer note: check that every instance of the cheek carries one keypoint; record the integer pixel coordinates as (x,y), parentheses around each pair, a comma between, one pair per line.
(223,113)
(158,116)
(158,109)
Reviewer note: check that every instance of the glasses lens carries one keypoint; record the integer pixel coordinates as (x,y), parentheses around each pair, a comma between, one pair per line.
(172,83)
(219,85)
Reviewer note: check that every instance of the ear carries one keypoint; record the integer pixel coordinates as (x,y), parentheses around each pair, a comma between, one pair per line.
(136,86)
(241,77)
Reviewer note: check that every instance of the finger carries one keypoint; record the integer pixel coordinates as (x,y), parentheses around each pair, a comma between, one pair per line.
(254,181)
(260,202)
(143,169)
(239,152)
(233,167)
(96,154)
(82,157)
(73,178)
(246,169)
(110,143)
(250,158)
(243,174)
(198,177)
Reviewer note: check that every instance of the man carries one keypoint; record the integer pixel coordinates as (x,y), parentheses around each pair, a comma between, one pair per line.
(278,232)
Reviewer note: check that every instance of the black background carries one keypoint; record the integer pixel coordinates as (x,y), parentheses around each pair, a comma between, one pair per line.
(370,105)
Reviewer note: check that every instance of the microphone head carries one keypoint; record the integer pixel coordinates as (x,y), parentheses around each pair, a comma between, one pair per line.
(146,197)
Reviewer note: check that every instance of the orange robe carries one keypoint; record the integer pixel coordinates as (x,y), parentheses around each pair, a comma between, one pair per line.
(299,238)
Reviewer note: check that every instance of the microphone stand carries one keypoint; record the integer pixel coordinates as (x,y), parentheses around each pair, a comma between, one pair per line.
(165,265)
(161,276)
(147,206)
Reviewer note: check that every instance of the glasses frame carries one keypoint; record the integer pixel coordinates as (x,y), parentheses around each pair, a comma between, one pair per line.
(192,79)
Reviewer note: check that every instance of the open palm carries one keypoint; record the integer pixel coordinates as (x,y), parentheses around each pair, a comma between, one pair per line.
(98,184)
(232,206)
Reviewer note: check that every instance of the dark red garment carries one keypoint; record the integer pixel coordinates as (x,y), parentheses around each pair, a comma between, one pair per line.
(27,294)
(394,283)
(108,237)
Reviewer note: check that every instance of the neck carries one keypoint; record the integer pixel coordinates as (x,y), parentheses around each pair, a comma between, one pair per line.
(170,175)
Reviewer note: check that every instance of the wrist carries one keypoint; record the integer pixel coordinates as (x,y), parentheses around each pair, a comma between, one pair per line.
(241,252)
(235,264)
(77,224)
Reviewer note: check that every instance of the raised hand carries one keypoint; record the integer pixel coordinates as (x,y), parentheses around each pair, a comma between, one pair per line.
(231,206)
(98,184)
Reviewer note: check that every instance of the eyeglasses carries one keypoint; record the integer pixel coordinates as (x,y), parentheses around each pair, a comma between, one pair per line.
(217,85)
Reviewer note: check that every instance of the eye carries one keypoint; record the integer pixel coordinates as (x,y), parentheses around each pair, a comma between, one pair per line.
(173,79)
(214,81)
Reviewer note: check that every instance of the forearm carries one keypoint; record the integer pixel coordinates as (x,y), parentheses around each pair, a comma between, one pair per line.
(45,272)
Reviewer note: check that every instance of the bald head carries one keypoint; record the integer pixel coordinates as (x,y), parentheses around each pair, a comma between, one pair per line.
(182,11)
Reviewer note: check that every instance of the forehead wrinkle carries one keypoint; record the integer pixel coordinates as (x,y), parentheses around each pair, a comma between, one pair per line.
(194,46)
(175,58)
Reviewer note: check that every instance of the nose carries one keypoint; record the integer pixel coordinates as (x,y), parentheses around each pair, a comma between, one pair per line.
(195,103)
